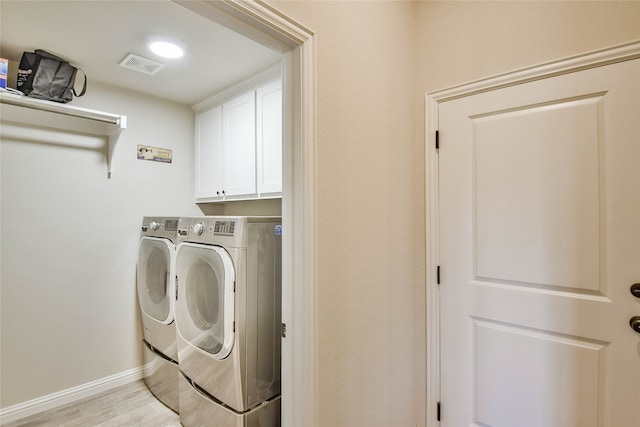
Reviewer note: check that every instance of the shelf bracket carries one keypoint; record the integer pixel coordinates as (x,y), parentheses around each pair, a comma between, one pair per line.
(114,136)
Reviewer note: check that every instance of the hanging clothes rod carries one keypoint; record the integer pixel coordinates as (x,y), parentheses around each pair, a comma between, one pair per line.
(76,119)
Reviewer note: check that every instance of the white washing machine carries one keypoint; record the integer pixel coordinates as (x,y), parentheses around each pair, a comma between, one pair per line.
(156,295)
(228,318)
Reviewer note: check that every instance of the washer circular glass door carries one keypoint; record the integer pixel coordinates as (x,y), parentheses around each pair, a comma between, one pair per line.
(205,308)
(156,259)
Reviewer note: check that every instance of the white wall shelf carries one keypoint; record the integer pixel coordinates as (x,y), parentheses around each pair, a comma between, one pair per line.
(36,112)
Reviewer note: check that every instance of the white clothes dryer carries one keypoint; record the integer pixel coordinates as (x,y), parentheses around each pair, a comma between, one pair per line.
(228,318)
(156,296)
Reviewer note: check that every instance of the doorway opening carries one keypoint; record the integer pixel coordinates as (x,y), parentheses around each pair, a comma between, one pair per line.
(269,27)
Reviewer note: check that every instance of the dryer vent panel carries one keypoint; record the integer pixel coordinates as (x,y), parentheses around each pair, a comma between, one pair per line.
(141,64)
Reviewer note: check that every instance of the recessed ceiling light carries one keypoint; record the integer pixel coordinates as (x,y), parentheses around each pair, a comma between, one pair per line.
(165,47)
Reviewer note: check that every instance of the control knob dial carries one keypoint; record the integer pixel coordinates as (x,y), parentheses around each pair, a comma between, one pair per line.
(198,228)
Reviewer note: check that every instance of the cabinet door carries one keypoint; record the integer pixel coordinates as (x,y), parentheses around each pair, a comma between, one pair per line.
(208,154)
(269,137)
(239,148)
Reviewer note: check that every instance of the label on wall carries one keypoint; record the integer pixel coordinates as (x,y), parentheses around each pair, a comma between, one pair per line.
(156,154)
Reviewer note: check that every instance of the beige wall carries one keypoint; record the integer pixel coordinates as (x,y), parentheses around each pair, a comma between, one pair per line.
(366,278)
(376,61)
(470,40)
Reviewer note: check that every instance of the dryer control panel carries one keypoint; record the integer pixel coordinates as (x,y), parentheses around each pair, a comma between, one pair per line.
(224,228)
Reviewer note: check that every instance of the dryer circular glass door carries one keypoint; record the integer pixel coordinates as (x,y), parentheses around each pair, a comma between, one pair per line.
(205,308)
(156,259)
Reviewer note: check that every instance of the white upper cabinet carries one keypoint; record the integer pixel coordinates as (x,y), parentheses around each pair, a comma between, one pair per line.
(208,151)
(238,146)
(269,138)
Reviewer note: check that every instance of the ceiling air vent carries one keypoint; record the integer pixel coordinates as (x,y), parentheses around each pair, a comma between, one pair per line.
(141,64)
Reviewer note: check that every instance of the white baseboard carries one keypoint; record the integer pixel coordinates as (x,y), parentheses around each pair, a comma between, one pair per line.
(70,395)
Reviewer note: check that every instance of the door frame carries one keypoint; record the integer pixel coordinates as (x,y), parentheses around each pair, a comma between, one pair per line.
(264,24)
(598,58)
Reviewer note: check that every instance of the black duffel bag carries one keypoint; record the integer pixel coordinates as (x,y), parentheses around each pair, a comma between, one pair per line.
(43,75)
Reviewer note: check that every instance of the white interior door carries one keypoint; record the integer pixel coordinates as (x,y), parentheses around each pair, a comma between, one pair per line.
(539,244)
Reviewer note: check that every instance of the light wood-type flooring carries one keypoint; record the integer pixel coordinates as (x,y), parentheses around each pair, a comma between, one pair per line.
(128,405)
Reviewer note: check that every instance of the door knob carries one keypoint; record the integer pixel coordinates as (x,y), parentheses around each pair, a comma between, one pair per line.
(635,323)
(635,290)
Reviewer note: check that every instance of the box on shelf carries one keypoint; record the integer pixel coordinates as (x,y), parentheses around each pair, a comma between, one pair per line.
(4,68)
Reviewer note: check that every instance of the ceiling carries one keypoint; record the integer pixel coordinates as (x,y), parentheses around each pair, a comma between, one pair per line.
(97,35)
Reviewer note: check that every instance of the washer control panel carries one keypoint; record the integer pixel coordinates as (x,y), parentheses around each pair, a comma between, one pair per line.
(162,227)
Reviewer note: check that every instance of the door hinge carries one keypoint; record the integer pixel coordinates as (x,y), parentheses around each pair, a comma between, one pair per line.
(438,412)
(438,275)
(437,140)
(283,330)
(176,288)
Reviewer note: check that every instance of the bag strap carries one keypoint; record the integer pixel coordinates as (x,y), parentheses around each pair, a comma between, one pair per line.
(46,54)
(84,86)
